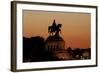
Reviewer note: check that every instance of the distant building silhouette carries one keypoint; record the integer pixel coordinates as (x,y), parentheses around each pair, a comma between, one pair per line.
(55,43)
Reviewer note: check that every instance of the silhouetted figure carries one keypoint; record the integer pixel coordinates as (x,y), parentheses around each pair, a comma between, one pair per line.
(54,28)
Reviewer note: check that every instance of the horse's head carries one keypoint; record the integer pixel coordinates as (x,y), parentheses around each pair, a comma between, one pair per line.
(59,25)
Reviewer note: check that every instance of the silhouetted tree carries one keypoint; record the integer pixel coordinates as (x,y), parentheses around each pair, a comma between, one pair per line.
(34,50)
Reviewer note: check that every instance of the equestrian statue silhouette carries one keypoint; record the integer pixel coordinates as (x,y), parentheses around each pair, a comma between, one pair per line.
(54,29)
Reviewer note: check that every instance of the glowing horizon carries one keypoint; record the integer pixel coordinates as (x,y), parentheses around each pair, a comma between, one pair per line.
(75,30)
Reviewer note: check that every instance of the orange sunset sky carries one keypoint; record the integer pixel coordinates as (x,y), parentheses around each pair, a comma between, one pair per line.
(75,28)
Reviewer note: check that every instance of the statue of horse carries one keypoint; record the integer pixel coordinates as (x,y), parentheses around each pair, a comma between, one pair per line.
(54,29)
(51,29)
(58,29)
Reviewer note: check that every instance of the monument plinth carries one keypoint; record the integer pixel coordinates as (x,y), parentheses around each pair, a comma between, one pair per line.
(54,42)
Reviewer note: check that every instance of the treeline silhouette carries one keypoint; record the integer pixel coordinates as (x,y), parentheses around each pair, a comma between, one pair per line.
(34,50)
